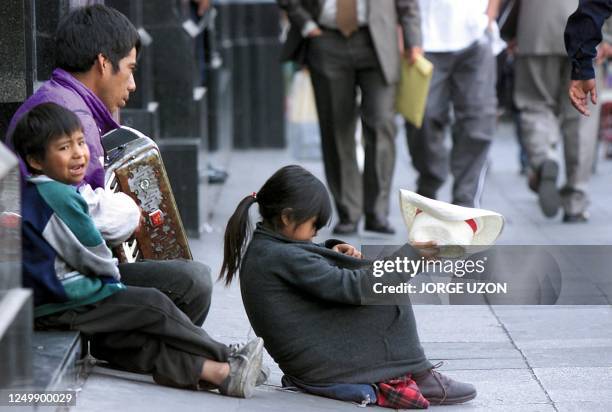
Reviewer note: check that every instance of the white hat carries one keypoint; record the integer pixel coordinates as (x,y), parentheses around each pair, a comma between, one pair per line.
(448,224)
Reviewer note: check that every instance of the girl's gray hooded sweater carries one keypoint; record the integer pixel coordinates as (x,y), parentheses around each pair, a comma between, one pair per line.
(306,301)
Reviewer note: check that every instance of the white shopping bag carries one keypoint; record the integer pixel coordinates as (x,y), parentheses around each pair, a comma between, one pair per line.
(304,134)
(302,108)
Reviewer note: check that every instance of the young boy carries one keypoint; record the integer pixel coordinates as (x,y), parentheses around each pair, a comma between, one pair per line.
(77,283)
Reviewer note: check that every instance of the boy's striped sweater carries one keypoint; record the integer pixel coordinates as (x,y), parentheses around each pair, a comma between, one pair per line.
(65,260)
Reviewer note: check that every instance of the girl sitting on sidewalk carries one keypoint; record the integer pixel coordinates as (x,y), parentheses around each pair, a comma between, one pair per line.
(306,300)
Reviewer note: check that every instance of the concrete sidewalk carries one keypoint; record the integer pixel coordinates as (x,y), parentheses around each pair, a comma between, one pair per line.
(528,358)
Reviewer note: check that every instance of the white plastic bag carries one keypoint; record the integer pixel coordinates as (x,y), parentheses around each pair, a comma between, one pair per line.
(116,215)
(302,108)
(304,134)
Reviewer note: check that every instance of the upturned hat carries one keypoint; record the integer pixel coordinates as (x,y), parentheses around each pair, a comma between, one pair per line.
(448,224)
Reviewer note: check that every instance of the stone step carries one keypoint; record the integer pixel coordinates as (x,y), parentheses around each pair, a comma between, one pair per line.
(56,356)
(15,334)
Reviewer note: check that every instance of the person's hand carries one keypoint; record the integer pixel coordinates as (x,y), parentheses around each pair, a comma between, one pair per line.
(492,12)
(10,220)
(429,250)
(512,47)
(203,5)
(316,32)
(412,53)
(579,91)
(348,250)
(604,50)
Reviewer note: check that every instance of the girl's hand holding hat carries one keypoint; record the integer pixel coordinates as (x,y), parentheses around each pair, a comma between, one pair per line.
(348,250)
(428,250)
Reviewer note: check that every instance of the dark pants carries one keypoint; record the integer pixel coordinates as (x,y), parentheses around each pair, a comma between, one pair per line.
(547,118)
(466,80)
(154,325)
(339,66)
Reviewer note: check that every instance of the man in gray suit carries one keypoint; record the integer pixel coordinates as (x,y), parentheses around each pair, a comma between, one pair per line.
(348,44)
(542,76)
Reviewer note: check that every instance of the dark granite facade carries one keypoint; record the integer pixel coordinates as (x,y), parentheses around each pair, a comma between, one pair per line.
(220,109)
(248,39)
(183,118)
(48,14)
(15,50)
(7,110)
(164,13)
(143,77)
(143,120)
(15,302)
(184,159)
(175,79)
(16,58)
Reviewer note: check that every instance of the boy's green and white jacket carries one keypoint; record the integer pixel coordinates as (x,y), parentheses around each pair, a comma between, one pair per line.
(65,259)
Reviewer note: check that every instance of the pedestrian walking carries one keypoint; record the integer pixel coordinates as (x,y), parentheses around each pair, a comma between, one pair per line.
(462,94)
(350,45)
(546,115)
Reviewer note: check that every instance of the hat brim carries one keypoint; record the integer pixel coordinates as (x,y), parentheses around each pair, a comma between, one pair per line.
(490,224)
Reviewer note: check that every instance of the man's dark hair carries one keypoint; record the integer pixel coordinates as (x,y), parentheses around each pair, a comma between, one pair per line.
(39,127)
(88,31)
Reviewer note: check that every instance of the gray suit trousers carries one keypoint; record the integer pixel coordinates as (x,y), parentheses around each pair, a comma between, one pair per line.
(547,117)
(338,66)
(465,81)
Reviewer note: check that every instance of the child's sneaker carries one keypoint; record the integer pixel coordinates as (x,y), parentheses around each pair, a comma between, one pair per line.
(245,366)
(239,348)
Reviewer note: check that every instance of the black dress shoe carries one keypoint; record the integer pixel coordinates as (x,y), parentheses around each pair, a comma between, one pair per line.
(379,227)
(582,217)
(345,228)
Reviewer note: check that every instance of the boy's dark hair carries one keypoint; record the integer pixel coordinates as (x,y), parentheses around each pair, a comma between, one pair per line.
(292,191)
(39,127)
(88,31)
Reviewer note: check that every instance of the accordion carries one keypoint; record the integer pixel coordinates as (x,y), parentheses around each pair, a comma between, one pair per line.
(134,166)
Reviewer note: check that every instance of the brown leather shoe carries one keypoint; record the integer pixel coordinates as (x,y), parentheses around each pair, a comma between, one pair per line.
(441,390)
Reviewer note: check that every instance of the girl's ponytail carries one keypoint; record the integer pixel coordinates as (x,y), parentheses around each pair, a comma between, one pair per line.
(237,233)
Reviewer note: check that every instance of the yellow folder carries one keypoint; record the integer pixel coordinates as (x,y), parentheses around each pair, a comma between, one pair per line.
(413,89)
